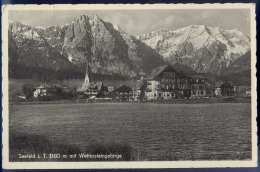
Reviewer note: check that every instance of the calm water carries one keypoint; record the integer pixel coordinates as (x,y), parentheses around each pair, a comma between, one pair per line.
(154,131)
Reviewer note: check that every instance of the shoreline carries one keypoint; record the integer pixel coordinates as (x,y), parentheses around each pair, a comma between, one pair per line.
(174,101)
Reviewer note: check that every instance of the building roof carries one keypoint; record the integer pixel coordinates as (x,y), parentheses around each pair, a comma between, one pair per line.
(180,69)
(157,71)
(138,84)
(123,88)
(184,69)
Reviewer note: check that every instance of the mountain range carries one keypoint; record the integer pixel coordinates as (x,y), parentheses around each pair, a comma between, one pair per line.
(205,49)
(88,41)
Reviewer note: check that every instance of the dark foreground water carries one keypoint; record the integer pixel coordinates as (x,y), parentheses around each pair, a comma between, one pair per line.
(153,131)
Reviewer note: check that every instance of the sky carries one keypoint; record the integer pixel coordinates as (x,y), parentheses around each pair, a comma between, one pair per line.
(137,22)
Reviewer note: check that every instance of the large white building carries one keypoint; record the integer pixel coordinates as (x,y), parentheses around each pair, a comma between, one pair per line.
(152,90)
(165,83)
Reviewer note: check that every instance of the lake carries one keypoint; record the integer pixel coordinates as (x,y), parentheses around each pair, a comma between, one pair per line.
(219,131)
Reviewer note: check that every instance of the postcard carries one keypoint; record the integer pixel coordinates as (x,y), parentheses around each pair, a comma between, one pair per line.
(101,86)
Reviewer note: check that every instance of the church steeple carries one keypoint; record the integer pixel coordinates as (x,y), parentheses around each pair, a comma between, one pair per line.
(85,85)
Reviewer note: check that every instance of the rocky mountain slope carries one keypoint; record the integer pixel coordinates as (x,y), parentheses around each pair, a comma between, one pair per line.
(205,49)
(31,54)
(86,41)
(239,71)
(65,51)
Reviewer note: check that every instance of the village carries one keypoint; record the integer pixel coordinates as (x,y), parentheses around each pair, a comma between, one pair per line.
(165,83)
(129,86)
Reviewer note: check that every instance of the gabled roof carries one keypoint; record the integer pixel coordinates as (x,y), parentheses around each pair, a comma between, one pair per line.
(157,71)
(184,69)
(180,69)
(138,84)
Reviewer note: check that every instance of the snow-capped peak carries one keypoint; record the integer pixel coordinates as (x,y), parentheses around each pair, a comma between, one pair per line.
(198,40)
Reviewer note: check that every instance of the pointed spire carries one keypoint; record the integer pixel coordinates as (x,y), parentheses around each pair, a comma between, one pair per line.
(86,83)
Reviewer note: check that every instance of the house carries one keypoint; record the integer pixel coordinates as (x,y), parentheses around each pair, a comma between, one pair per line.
(110,88)
(123,93)
(41,90)
(103,91)
(242,90)
(138,90)
(217,88)
(201,86)
(177,81)
(136,94)
(167,83)
(45,92)
(198,88)
(53,92)
(248,93)
(227,89)
(217,92)
(152,90)
(64,92)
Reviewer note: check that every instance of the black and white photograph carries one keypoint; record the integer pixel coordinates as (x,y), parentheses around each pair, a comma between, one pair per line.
(129,86)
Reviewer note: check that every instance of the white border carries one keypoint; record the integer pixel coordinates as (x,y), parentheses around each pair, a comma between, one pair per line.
(131,164)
